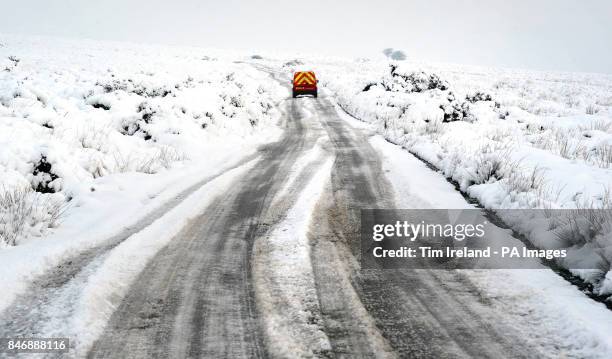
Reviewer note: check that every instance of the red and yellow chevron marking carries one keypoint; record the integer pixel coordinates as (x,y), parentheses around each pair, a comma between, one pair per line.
(304,78)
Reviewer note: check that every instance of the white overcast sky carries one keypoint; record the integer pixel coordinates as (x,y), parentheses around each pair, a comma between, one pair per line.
(574,35)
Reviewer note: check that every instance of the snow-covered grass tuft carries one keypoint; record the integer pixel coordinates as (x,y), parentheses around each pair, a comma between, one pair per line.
(520,181)
(490,162)
(24,211)
(591,109)
(150,163)
(16,207)
(601,156)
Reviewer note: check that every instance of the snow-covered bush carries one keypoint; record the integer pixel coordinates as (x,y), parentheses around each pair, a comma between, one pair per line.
(417,82)
(398,55)
(456,111)
(478,96)
(401,81)
(293,63)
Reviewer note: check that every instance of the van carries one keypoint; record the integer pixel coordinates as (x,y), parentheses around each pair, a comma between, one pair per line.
(304,83)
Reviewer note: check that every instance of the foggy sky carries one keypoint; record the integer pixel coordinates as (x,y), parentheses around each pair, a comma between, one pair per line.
(573,35)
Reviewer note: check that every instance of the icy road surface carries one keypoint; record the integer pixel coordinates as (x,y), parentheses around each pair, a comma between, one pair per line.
(267,268)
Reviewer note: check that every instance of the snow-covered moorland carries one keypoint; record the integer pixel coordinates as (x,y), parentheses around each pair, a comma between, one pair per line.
(99,138)
(74,113)
(511,139)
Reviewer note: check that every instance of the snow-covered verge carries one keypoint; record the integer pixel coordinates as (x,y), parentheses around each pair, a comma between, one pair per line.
(95,136)
(509,138)
(562,320)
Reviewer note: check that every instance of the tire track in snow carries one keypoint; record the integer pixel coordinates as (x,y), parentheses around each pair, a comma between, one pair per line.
(196,298)
(284,281)
(357,182)
(346,323)
(418,313)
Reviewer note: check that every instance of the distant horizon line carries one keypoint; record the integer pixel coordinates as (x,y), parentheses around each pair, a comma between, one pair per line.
(290,53)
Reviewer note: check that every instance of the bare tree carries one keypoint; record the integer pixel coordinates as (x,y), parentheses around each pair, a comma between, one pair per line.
(388,51)
(398,55)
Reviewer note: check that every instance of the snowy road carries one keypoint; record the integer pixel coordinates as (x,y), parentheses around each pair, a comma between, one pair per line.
(197,297)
